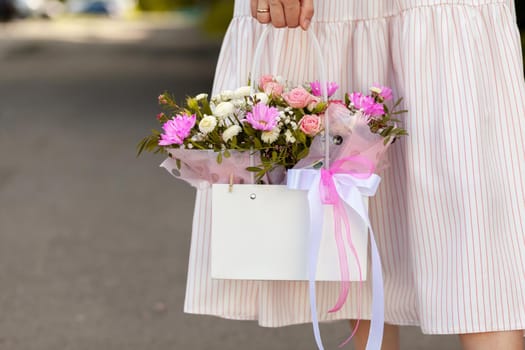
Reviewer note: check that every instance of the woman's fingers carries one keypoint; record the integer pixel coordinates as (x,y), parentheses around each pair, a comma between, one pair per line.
(283,13)
(307,13)
(292,11)
(263,11)
(277,14)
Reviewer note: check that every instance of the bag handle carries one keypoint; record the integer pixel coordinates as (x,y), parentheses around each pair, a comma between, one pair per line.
(255,72)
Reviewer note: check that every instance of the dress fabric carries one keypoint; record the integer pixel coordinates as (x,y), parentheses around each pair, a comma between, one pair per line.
(449,216)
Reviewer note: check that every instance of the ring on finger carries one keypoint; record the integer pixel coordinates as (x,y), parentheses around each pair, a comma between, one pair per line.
(263,10)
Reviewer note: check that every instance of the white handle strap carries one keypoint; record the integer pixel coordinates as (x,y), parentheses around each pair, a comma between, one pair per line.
(255,72)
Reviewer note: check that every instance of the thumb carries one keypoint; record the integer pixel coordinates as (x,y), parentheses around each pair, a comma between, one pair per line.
(307,13)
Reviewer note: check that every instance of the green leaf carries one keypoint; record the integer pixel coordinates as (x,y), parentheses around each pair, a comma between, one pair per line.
(219,158)
(227,153)
(254,169)
(397,103)
(300,137)
(400,112)
(304,152)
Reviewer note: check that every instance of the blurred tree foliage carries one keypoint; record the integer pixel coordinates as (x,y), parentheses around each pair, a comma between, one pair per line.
(217,16)
(165,5)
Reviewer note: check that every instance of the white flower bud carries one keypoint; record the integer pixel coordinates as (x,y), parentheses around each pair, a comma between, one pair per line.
(232,131)
(289,137)
(224,109)
(227,95)
(242,92)
(201,97)
(262,97)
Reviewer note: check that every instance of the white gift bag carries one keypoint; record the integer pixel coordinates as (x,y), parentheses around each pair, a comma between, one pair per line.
(261,232)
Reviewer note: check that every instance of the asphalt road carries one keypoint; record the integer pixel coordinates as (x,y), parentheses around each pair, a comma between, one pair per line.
(93,241)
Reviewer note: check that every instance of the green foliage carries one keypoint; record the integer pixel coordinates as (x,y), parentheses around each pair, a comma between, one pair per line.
(165,5)
(217,17)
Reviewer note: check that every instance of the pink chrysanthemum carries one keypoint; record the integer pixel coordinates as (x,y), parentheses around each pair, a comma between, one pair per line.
(263,117)
(331,88)
(367,104)
(177,129)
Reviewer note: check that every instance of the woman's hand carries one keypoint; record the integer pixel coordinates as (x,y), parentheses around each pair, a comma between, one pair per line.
(284,13)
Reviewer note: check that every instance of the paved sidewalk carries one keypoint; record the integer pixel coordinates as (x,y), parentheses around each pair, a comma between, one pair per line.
(93,241)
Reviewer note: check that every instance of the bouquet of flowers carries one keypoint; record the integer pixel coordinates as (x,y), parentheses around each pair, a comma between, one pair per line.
(256,132)
(283,124)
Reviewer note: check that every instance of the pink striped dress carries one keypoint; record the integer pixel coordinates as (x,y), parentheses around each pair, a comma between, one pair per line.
(450,213)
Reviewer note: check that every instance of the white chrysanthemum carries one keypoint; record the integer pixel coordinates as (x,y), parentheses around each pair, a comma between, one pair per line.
(289,137)
(270,136)
(227,95)
(207,124)
(223,110)
(376,89)
(232,131)
(238,103)
(201,97)
(262,97)
(242,92)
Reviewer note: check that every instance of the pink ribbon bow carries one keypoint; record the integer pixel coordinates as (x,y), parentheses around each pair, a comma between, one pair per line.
(358,167)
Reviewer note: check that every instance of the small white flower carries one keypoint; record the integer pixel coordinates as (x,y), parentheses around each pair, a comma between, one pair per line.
(242,92)
(227,95)
(262,97)
(190,146)
(201,97)
(376,90)
(232,131)
(293,125)
(198,137)
(238,103)
(270,136)
(289,137)
(207,124)
(223,110)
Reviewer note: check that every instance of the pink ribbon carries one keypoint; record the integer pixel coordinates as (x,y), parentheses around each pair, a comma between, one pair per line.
(358,167)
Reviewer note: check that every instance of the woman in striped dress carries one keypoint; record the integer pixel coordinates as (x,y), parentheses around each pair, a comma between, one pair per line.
(450,212)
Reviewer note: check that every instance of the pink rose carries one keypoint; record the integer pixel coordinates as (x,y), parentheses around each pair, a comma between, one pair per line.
(265,79)
(273,88)
(310,124)
(298,97)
